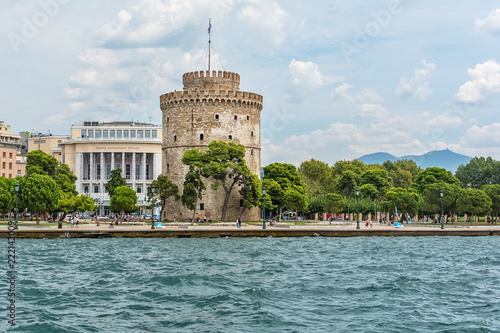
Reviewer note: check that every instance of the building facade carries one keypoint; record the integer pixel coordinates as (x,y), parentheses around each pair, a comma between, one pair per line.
(95,149)
(48,143)
(7,138)
(210,107)
(12,163)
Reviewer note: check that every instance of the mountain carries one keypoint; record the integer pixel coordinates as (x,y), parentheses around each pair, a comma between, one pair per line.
(440,158)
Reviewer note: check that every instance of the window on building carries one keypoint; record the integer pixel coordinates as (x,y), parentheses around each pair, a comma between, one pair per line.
(98,171)
(132,133)
(91,133)
(201,137)
(59,141)
(19,172)
(168,119)
(112,133)
(44,141)
(125,133)
(202,206)
(10,155)
(4,154)
(230,137)
(147,133)
(217,117)
(147,172)
(251,152)
(10,166)
(84,133)
(118,133)
(153,133)
(86,189)
(127,171)
(3,164)
(108,155)
(127,156)
(251,134)
(175,137)
(118,165)
(108,170)
(137,171)
(105,133)
(140,134)
(139,189)
(88,171)
(241,202)
(235,117)
(96,188)
(97,133)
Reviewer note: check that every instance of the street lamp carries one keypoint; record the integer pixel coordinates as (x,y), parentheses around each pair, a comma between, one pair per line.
(153,189)
(16,188)
(385,211)
(375,211)
(357,205)
(441,193)
(264,208)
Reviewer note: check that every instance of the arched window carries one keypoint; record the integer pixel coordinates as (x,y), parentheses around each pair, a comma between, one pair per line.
(168,119)
(168,167)
(251,152)
(251,134)
(235,117)
(230,137)
(175,137)
(248,117)
(217,117)
(201,137)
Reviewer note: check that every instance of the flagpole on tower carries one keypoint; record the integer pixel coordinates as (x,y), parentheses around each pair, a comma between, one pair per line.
(209,42)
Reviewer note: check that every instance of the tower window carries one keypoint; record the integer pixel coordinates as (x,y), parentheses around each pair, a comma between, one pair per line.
(168,167)
(230,137)
(217,117)
(201,137)
(251,134)
(248,117)
(235,117)
(168,119)
(175,137)
(202,206)
(251,152)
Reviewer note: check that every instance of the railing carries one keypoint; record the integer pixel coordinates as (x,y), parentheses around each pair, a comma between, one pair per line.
(112,139)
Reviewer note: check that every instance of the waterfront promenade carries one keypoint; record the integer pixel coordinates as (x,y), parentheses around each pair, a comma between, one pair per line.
(186,230)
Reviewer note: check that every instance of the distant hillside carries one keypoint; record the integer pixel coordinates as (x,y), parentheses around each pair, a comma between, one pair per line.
(441,158)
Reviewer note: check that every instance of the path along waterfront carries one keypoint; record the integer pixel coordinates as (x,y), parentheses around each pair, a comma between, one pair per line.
(229,230)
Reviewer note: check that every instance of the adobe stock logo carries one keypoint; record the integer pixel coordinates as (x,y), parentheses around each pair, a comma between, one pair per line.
(31,26)
(372,29)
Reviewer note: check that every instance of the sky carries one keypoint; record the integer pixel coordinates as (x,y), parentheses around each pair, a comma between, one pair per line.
(340,79)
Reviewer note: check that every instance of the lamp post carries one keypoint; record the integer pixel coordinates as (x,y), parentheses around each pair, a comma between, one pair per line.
(16,188)
(264,208)
(376,211)
(357,207)
(153,189)
(385,211)
(441,193)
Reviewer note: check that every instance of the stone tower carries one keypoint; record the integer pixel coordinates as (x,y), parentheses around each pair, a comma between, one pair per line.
(210,107)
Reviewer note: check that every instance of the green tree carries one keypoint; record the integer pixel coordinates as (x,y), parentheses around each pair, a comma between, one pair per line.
(474,201)
(251,191)
(451,194)
(295,201)
(402,172)
(317,204)
(493,191)
(85,203)
(478,172)
(40,163)
(39,194)
(123,200)
(369,191)
(224,162)
(433,175)
(192,189)
(347,182)
(405,200)
(334,203)
(377,177)
(164,189)
(116,180)
(7,195)
(316,175)
(287,177)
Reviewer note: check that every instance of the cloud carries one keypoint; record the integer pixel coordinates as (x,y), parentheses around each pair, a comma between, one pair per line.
(485,82)
(304,77)
(491,24)
(417,87)
(482,137)
(372,111)
(341,92)
(266,22)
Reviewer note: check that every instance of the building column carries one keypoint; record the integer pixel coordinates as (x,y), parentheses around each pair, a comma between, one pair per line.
(123,165)
(91,174)
(143,176)
(103,174)
(132,171)
(112,161)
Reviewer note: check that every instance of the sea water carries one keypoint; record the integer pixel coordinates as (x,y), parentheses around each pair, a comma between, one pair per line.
(406,284)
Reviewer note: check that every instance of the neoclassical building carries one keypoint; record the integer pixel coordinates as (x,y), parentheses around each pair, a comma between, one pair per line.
(96,148)
(210,107)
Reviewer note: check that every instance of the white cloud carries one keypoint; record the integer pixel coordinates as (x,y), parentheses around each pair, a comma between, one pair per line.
(266,21)
(490,24)
(341,92)
(485,82)
(417,87)
(304,77)
(372,111)
(368,95)
(446,120)
(84,78)
(482,137)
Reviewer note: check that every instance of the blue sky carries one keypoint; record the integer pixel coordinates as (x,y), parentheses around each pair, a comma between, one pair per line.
(340,79)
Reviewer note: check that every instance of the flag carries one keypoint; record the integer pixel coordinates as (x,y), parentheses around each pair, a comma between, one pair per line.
(209,26)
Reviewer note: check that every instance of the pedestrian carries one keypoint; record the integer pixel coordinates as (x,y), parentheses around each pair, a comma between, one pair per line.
(71,221)
(77,219)
(371,224)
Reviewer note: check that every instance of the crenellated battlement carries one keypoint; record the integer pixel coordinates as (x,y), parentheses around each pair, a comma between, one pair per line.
(200,95)
(211,79)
